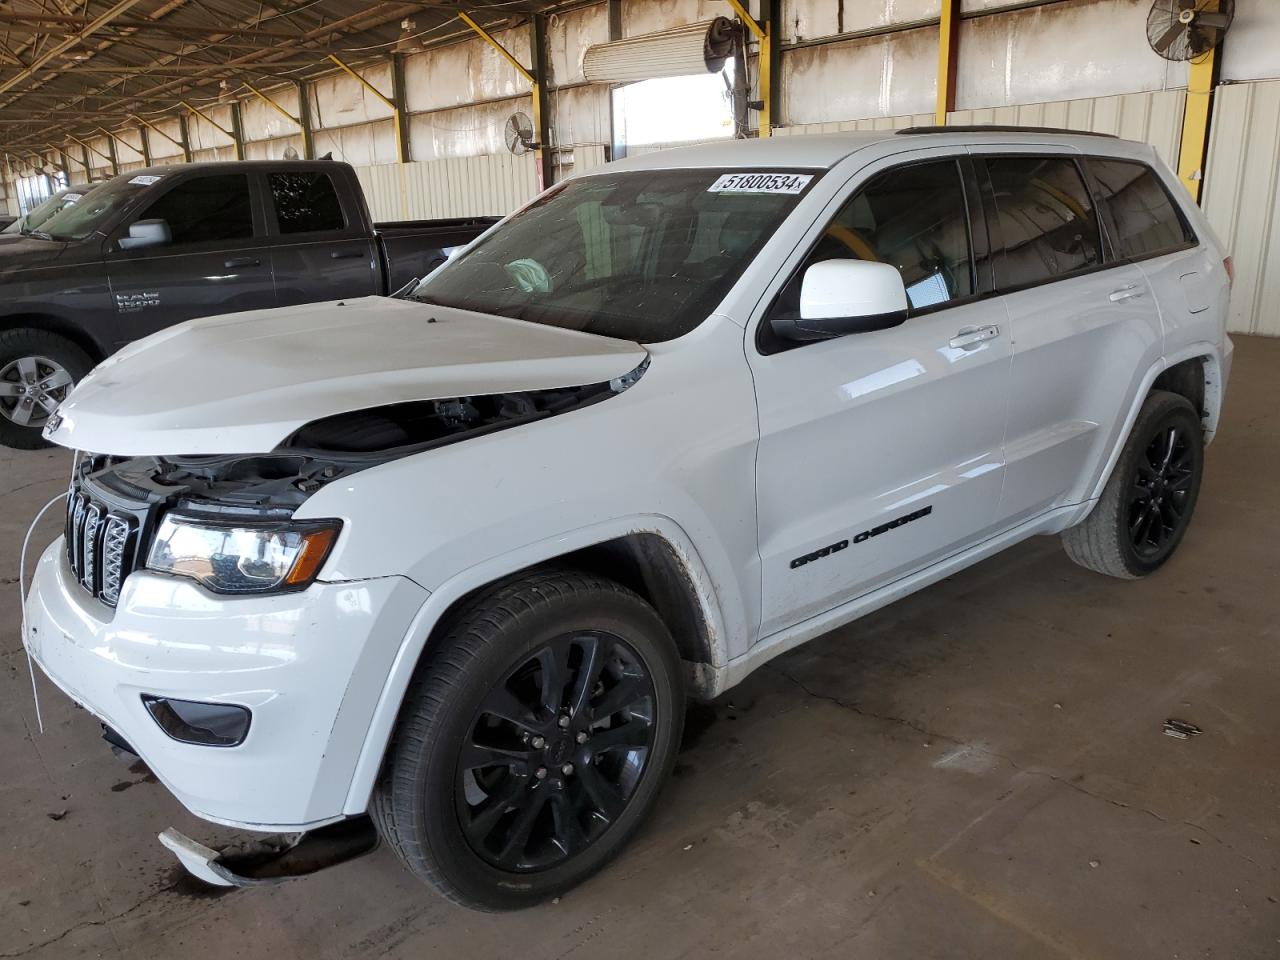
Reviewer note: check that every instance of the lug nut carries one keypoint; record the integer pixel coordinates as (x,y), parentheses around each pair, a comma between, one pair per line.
(582,737)
(567,769)
(564,722)
(541,773)
(538,743)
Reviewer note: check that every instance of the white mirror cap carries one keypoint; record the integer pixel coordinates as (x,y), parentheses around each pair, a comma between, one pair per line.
(851,288)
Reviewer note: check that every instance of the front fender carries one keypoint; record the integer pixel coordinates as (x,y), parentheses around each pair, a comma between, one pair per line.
(447,594)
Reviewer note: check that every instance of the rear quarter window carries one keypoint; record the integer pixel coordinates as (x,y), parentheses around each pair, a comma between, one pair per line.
(1143,219)
(306,202)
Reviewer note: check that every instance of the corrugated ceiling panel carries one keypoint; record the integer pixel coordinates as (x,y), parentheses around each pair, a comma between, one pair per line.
(1242,181)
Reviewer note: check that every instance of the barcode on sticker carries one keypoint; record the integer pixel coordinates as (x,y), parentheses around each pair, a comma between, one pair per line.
(144,181)
(761,183)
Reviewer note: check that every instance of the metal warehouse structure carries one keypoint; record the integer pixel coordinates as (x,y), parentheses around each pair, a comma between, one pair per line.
(421,96)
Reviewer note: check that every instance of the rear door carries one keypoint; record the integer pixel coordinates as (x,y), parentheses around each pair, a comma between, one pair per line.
(880,452)
(1085,327)
(216,261)
(321,250)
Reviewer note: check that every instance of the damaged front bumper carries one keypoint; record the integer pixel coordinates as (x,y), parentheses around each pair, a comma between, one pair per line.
(309,666)
(273,859)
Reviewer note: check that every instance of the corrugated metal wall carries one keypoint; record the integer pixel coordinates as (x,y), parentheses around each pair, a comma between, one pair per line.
(1242,182)
(1154,118)
(453,187)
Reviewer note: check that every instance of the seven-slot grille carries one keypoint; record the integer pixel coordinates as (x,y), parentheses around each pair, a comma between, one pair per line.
(100,546)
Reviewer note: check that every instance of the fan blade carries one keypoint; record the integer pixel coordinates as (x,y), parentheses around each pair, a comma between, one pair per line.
(1219,20)
(1170,37)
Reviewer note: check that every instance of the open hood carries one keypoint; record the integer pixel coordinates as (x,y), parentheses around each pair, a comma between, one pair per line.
(242,383)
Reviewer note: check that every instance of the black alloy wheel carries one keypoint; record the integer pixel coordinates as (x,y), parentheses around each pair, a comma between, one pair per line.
(533,741)
(555,752)
(1161,491)
(1147,502)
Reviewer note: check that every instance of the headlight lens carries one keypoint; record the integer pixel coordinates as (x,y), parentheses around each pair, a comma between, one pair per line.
(242,558)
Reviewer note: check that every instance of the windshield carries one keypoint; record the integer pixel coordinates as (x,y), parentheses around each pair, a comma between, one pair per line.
(642,256)
(51,206)
(85,216)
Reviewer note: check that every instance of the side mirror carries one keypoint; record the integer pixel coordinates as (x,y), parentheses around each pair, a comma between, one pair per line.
(146,233)
(839,297)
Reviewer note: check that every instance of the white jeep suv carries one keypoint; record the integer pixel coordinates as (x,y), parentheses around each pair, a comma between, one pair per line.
(455,559)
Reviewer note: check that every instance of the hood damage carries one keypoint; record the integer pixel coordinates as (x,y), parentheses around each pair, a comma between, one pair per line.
(278,482)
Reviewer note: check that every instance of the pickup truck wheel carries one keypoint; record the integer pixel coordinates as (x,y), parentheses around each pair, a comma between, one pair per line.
(533,740)
(37,371)
(1147,504)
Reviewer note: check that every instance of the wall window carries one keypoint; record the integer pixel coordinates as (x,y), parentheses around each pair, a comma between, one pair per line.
(1142,217)
(306,202)
(914,218)
(1045,219)
(206,209)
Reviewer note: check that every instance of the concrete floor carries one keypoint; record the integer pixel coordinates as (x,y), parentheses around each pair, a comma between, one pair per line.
(978,771)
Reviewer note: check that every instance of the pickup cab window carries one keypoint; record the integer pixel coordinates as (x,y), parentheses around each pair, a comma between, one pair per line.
(642,256)
(205,210)
(305,202)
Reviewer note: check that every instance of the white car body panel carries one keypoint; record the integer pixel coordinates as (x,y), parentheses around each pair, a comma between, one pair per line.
(243,382)
(740,461)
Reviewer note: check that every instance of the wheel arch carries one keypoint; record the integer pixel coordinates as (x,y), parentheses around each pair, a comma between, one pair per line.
(652,556)
(1177,372)
(52,323)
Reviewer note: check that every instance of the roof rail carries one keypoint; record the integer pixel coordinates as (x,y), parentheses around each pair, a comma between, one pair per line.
(1001,128)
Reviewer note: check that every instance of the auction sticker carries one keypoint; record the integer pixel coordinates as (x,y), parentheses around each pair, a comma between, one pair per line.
(145,180)
(761,183)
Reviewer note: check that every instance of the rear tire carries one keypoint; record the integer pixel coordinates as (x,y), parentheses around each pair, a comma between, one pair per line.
(533,740)
(38,369)
(1148,502)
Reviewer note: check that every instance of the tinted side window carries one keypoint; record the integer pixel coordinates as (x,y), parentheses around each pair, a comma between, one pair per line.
(1044,218)
(1144,220)
(914,218)
(306,202)
(206,209)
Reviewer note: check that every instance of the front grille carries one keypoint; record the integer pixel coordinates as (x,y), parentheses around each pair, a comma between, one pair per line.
(100,545)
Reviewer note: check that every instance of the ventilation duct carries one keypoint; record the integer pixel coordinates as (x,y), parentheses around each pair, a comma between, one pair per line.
(693,49)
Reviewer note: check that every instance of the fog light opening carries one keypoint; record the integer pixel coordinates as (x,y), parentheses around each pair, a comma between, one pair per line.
(203,724)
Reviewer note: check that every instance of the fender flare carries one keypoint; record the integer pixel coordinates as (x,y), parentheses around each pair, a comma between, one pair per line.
(1213,403)
(413,644)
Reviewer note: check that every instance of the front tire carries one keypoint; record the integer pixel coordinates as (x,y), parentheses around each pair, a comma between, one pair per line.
(37,371)
(533,741)
(1147,504)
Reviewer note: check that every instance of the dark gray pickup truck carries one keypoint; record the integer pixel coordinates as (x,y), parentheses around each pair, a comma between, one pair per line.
(154,247)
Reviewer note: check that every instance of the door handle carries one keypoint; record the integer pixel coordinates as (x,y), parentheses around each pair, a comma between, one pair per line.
(346,254)
(235,262)
(1132,292)
(970,337)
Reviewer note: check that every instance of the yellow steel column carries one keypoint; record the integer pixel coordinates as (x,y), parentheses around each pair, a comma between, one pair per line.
(1195,123)
(948,37)
(764,65)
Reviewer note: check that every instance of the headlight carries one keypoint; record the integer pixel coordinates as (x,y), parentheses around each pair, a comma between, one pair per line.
(242,558)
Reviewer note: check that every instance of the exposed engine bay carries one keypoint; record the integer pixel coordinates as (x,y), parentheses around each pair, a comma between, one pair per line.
(327,449)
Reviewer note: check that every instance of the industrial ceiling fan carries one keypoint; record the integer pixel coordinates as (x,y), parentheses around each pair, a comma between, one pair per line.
(1188,29)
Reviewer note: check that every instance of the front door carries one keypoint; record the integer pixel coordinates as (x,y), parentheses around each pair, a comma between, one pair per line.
(215,261)
(881,452)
